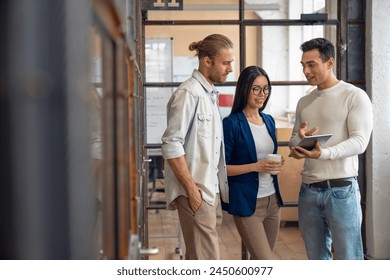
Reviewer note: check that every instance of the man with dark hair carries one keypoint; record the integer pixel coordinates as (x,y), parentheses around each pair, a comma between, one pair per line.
(329,199)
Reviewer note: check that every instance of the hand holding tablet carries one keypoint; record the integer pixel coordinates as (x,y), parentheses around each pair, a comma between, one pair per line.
(308,142)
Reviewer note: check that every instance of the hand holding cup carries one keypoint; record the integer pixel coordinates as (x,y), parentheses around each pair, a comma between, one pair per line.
(276,158)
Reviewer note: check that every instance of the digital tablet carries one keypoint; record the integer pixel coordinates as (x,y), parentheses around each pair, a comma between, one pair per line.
(308,142)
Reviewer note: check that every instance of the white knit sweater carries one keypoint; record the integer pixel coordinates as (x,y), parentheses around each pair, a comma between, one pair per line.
(344,111)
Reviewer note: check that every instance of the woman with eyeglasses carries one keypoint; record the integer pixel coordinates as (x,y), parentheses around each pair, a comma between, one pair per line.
(249,135)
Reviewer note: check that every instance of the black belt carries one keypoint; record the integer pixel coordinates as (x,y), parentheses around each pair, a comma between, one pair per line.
(333,183)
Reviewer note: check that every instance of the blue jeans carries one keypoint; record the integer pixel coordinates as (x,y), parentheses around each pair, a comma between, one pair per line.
(331,215)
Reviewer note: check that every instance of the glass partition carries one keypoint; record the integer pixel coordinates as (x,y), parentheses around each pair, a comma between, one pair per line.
(96,96)
(167,46)
(277,48)
(292,10)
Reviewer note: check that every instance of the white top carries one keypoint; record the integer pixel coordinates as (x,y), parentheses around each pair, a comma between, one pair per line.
(264,145)
(344,111)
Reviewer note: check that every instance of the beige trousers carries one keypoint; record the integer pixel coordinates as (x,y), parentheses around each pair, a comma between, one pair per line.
(200,229)
(259,232)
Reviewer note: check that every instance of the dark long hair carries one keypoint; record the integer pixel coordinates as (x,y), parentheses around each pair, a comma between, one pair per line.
(244,87)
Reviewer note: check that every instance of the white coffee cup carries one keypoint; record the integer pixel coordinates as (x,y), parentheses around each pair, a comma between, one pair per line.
(274,157)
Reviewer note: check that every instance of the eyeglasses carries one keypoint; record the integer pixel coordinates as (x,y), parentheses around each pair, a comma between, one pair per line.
(258,90)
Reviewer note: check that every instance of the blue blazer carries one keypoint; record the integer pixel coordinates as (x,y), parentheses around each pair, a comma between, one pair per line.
(240,149)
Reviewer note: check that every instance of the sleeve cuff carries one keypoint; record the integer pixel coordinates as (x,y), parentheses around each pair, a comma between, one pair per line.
(172,151)
(325,154)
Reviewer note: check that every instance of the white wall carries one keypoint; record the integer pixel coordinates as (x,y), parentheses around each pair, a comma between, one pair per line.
(378,153)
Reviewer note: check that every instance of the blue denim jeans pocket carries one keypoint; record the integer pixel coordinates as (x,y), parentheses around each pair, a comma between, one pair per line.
(303,190)
(343,192)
